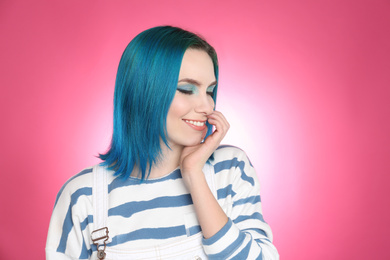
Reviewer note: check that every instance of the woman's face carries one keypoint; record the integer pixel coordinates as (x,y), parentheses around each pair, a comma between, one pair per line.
(193,101)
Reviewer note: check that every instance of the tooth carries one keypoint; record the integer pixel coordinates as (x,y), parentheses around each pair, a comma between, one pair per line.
(196,123)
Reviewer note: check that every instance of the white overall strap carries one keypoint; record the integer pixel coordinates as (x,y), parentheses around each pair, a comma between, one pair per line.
(99,234)
(100,200)
(208,170)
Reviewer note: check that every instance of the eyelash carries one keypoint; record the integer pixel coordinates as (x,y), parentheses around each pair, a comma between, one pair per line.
(211,93)
(190,92)
(187,92)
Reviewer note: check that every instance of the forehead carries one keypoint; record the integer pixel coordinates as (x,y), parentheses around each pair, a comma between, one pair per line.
(197,65)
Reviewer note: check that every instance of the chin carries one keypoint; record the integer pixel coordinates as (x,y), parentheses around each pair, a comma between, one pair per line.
(186,139)
(191,141)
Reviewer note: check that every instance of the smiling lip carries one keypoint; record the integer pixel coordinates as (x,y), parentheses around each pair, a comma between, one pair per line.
(197,125)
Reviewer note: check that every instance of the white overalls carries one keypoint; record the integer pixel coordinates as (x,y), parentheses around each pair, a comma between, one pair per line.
(187,248)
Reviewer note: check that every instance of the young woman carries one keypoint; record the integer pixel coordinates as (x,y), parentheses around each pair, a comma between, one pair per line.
(166,189)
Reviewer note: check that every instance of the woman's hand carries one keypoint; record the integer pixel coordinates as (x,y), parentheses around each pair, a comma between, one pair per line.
(210,215)
(193,158)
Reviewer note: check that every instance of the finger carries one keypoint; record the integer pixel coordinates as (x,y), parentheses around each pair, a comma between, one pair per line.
(219,116)
(220,129)
(220,126)
(219,121)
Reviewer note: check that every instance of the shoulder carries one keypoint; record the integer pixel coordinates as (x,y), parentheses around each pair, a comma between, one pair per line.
(71,215)
(79,180)
(78,185)
(232,163)
(229,153)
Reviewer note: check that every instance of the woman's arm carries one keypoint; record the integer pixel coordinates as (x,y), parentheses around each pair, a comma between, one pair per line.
(210,215)
(69,220)
(242,233)
(246,235)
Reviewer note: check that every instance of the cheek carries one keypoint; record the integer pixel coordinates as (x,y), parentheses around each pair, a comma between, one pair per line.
(179,107)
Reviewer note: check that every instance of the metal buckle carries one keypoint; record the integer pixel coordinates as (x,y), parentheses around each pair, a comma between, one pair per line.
(100,252)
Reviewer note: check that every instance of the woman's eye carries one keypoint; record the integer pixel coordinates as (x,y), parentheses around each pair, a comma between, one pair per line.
(210,91)
(185,91)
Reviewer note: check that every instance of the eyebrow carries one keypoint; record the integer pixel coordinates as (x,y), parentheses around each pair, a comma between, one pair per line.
(195,82)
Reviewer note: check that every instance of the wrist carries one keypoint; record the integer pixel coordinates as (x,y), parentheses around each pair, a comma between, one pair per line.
(194,179)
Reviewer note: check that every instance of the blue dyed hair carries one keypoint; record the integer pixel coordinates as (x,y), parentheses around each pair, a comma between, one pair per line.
(145,85)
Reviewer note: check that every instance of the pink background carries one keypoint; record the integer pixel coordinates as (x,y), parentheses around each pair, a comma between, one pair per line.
(305,85)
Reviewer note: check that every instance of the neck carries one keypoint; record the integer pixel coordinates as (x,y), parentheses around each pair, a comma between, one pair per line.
(170,160)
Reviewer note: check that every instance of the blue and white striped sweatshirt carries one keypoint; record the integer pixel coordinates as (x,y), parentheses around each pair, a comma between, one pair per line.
(160,210)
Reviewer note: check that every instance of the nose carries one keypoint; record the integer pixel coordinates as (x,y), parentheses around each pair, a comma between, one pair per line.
(205,104)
